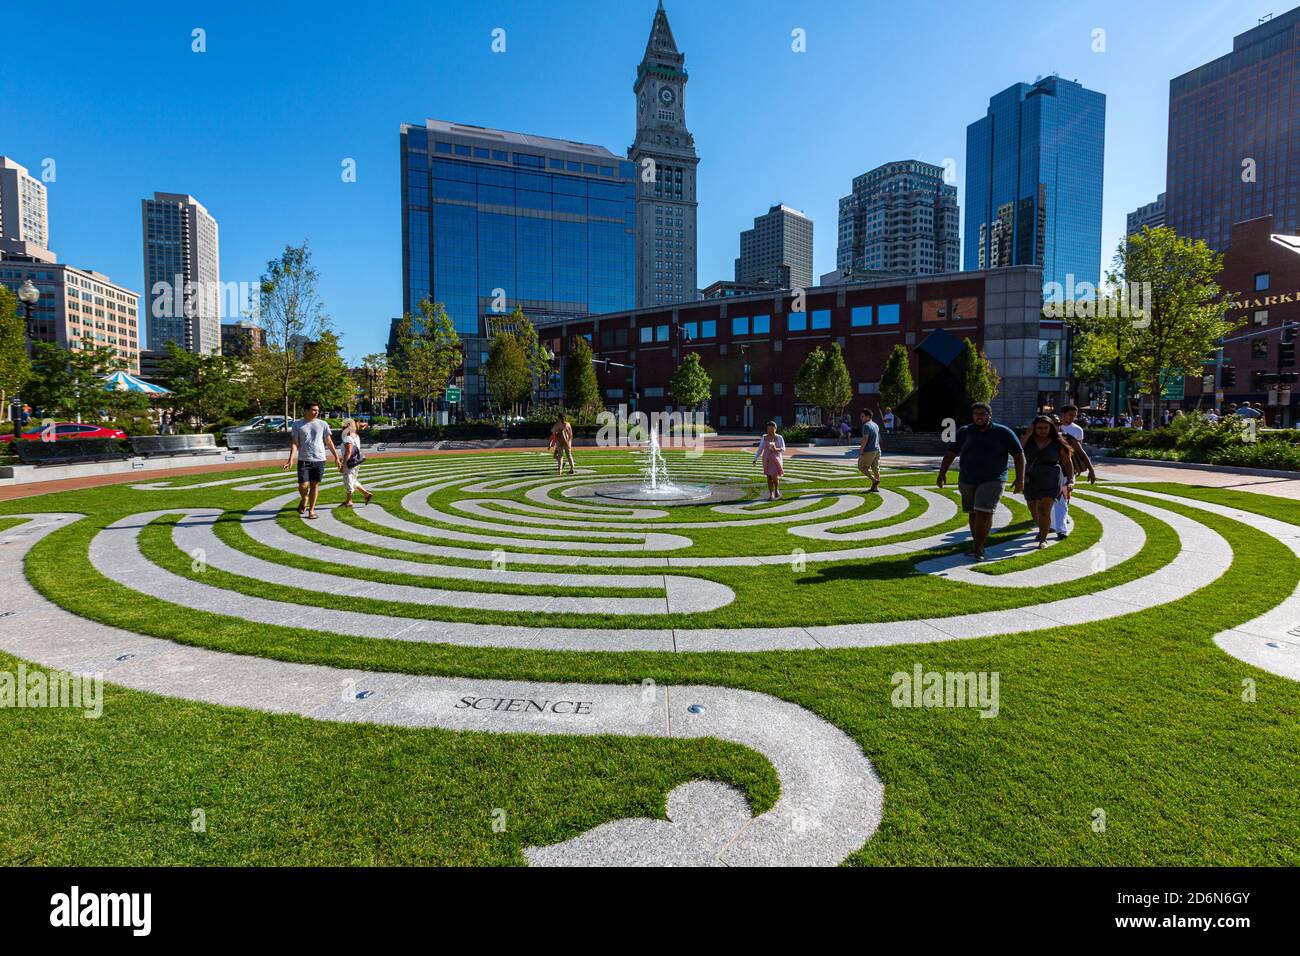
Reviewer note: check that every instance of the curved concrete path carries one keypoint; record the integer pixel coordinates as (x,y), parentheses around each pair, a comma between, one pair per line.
(1203,556)
(831,798)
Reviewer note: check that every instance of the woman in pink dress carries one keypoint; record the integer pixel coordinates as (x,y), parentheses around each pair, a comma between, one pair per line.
(770,448)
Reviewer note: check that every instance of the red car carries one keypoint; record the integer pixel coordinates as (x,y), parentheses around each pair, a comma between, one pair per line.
(68,430)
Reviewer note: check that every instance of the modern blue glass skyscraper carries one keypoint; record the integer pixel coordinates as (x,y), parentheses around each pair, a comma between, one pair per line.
(493,219)
(1034,181)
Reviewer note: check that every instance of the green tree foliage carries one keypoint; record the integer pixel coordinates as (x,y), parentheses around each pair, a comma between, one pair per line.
(1186,317)
(690,384)
(581,391)
(323,376)
(508,379)
(896,380)
(15,367)
(205,387)
(537,357)
(428,354)
(290,309)
(372,379)
(834,385)
(807,379)
(982,379)
(69,383)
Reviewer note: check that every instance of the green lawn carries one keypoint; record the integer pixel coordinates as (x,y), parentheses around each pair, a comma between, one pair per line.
(1140,716)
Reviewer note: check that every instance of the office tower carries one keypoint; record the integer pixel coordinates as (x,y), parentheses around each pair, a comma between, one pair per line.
(76,304)
(778,250)
(1151,215)
(665,161)
(24,214)
(1034,181)
(901,219)
(182,273)
(492,220)
(1233,148)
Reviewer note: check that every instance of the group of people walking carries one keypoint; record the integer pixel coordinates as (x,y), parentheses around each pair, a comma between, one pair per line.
(309,443)
(1048,458)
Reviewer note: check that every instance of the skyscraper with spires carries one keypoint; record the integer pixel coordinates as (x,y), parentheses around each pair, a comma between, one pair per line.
(665,160)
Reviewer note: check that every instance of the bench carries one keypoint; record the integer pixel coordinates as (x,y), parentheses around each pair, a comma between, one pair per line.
(68,451)
(147,445)
(258,440)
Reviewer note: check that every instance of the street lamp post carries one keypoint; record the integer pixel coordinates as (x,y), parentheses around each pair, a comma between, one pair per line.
(28,295)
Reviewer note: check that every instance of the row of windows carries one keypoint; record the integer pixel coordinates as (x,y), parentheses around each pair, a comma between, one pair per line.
(534,161)
(817,320)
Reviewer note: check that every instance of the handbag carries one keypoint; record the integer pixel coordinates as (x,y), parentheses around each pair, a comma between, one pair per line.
(355,459)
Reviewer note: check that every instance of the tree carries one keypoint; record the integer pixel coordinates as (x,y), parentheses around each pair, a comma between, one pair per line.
(1180,330)
(896,380)
(1104,338)
(372,379)
(205,387)
(70,382)
(690,384)
(834,385)
(508,379)
(323,376)
(537,358)
(581,391)
(428,354)
(15,367)
(290,309)
(807,379)
(982,379)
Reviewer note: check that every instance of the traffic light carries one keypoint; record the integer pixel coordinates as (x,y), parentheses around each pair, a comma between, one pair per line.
(1229,379)
(1286,347)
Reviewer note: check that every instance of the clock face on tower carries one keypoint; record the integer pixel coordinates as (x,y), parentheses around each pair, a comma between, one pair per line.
(666,95)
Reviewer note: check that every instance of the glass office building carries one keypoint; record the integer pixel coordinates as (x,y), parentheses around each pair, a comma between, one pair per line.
(1034,181)
(493,219)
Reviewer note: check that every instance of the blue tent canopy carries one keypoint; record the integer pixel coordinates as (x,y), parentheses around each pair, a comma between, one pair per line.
(126,382)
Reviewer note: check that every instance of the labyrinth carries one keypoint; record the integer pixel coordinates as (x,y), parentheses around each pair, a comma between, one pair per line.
(492,664)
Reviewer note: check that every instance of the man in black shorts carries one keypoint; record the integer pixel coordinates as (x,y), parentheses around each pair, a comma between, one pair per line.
(309,442)
(983,447)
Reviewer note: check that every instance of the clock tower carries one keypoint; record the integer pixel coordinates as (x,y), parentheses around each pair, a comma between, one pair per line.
(665,160)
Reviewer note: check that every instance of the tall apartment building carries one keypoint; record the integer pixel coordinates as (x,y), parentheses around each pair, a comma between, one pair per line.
(778,250)
(1150,215)
(665,160)
(77,304)
(1034,181)
(24,213)
(493,219)
(901,219)
(1234,145)
(182,273)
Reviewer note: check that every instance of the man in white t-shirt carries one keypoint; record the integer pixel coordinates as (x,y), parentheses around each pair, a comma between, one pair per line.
(1061,522)
(310,439)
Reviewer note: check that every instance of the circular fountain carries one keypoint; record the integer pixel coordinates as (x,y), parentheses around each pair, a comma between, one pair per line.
(656,486)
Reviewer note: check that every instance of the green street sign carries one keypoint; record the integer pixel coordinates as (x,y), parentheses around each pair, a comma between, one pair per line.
(453,394)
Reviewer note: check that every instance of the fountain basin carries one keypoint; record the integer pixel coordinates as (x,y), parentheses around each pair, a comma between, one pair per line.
(662,493)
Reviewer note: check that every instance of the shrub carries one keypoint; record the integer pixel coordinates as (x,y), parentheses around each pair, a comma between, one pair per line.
(1277,455)
(799,434)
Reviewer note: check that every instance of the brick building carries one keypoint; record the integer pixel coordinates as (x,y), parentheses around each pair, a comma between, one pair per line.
(1261,276)
(752,345)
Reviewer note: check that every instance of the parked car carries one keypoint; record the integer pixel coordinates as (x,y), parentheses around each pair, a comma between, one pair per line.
(68,430)
(257,423)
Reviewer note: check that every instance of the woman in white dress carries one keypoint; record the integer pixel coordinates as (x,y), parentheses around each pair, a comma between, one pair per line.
(771,448)
(350,464)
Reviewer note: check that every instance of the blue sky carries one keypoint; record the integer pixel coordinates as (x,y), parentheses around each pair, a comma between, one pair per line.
(258,125)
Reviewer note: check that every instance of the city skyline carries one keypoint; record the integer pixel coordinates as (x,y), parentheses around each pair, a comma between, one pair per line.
(271,182)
